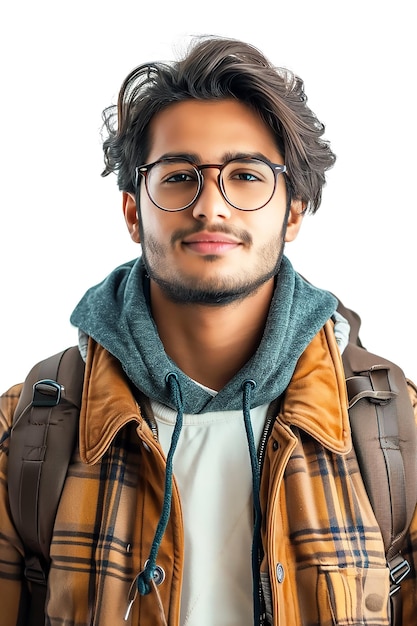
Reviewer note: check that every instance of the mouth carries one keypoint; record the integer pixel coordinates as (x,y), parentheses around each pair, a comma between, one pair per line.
(210,243)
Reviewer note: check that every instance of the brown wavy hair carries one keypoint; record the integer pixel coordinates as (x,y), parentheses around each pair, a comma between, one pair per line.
(219,68)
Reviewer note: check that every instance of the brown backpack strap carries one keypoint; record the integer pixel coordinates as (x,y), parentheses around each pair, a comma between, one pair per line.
(42,441)
(385,441)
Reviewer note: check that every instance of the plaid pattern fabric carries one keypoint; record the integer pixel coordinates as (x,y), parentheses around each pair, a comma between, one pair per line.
(327,547)
(323,563)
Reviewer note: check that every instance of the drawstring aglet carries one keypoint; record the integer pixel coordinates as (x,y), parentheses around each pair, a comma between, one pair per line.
(132,595)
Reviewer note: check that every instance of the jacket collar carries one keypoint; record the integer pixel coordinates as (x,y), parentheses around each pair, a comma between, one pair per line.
(107,405)
(315,399)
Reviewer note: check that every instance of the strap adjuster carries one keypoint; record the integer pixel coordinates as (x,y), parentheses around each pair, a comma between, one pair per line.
(46,393)
(34,571)
(398,572)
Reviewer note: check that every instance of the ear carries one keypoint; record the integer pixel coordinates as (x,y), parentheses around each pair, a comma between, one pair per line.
(131,215)
(295,220)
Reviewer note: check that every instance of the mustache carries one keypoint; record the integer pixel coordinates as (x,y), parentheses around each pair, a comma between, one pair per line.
(226,229)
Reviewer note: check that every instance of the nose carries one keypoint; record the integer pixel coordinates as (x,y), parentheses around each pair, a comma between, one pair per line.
(211,204)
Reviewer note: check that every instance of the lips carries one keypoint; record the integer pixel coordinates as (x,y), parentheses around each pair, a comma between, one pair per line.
(210,243)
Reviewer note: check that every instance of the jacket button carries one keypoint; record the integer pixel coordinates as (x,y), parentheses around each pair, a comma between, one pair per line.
(280,572)
(275,445)
(374,602)
(158,573)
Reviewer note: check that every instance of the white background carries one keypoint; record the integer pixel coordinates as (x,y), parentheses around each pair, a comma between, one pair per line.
(61,224)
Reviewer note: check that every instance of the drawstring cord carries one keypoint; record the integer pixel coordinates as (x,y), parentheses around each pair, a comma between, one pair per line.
(145,580)
(146,576)
(248,386)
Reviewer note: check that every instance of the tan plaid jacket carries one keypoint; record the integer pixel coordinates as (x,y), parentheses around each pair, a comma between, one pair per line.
(324,560)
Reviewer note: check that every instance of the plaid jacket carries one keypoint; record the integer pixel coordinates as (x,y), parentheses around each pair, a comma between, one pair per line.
(324,559)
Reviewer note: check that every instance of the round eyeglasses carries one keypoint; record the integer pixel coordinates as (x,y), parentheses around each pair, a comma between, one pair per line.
(174,184)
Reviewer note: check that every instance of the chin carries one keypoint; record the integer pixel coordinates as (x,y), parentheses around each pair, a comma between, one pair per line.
(213,292)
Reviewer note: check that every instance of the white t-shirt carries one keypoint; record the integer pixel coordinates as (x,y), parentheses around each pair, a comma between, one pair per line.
(213,471)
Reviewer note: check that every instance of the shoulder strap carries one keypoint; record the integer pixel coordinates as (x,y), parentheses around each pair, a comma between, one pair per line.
(42,441)
(385,441)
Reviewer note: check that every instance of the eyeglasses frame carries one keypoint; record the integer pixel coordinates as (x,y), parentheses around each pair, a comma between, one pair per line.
(143,170)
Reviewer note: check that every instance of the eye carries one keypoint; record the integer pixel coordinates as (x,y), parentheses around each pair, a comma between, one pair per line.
(179,177)
(246,171)
(174,173)
(245,176)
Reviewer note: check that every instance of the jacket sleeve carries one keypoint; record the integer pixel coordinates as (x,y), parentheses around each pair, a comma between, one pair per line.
(11,561)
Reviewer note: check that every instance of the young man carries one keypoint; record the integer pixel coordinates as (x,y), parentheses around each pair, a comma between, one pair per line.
(215,481)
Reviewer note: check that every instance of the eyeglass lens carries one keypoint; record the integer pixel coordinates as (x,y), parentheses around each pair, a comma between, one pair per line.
(247,184)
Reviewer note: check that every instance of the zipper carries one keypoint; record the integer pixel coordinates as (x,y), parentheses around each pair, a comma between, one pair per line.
(151,422)
(272,412)
(144,407)
(270,418)
(261,455)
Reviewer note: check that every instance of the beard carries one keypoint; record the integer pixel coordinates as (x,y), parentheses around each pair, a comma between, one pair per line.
(230,290)
(218,290)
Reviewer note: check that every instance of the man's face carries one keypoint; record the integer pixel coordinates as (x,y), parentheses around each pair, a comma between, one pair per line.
(211,252)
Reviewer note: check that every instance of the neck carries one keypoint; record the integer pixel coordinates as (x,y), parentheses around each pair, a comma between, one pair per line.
(211,343)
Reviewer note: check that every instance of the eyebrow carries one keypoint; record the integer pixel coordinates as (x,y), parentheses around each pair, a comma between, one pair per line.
(227,156)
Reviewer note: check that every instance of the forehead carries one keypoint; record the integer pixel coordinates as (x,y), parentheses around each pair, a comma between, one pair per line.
(210,129)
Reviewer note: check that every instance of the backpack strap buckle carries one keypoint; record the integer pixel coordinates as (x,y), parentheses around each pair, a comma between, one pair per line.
(46,392)
(399,568)
(34,571)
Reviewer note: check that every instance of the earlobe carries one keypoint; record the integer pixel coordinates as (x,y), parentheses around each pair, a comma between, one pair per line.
(131,215)
(295,219)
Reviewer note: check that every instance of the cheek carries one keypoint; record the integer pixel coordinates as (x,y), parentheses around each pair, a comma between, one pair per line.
(158,225)
(151,221)
(268,225)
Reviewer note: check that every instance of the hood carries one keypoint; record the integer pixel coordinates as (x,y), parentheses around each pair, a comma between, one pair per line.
(115,313)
